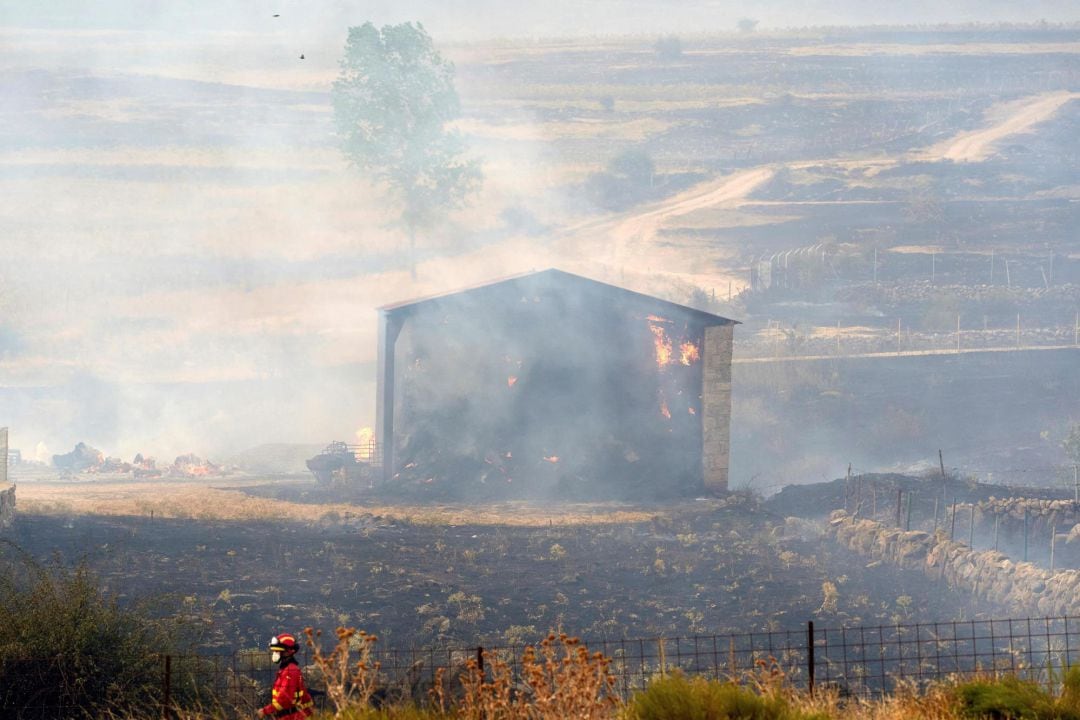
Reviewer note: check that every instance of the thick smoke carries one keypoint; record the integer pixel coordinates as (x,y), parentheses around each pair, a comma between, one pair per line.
(548,385)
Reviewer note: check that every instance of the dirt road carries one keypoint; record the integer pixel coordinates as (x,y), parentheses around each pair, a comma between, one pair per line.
(726,191)
(627,243)
(1019,117)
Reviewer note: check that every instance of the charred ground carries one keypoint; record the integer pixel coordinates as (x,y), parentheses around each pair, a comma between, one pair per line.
(703,567)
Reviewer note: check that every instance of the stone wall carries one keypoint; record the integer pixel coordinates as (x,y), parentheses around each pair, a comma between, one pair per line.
(1042,516)
(716,407)
(7,507)
(1018,587)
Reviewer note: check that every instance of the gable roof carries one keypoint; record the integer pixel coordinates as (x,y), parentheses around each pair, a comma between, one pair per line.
(557,281)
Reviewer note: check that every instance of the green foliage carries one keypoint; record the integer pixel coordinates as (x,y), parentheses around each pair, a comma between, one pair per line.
(68,647)
(1070,688)
(677,697)
(747,25)
(392,100)
(1013,699)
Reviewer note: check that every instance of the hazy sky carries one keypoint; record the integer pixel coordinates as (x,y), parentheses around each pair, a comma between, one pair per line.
(470,19)
(187,264)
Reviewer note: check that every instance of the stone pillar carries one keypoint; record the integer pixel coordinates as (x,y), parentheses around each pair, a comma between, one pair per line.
(389,329)
(7,507)
(716,407)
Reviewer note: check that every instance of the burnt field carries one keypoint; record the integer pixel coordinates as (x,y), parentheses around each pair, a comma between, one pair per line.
(707,566)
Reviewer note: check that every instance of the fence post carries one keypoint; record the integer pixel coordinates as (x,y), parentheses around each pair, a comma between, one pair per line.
(810,655)
(1053,542)
(1025,533)
(166,687)
(480,659)
(899,505)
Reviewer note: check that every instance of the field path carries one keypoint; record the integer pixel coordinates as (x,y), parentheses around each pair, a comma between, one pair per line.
(976,145)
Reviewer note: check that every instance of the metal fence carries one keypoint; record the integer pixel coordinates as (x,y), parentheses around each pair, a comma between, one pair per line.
(872,660)
(866,660)
(863,661)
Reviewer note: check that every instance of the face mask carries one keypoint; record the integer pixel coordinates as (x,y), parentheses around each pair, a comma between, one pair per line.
(275,656)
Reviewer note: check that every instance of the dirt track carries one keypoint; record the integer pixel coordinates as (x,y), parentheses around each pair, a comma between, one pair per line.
(976,145)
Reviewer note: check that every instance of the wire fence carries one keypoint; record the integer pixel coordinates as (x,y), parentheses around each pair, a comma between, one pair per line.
(865,661)
(777,342)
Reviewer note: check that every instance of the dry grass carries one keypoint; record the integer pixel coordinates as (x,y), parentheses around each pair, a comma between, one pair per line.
(205,501)
(562,679)
(347,685)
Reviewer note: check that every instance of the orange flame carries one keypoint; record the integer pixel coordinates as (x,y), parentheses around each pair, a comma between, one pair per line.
(511,380)
(365,438)
(690,353)
(664,409)
(552,458)
(660,341)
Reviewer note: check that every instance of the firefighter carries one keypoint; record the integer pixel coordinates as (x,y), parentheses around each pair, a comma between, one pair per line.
(289,700)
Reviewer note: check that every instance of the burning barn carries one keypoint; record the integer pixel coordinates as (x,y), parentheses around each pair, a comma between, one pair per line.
(552,384)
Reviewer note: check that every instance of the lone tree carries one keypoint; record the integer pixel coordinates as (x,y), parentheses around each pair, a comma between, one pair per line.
(392,100)
(747,25)
(669,47)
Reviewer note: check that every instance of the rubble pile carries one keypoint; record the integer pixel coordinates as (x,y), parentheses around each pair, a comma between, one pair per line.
(1021,587)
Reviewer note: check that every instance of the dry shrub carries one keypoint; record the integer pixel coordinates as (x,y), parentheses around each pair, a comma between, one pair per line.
(769,681)
(908,702)
(679,697)
(347,685)
(571,684)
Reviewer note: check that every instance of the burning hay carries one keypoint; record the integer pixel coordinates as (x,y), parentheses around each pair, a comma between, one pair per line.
(88,460)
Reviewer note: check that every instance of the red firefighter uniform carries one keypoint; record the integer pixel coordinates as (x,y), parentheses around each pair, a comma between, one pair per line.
(289,699)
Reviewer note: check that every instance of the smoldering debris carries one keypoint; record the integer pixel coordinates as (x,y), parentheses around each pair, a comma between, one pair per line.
(85,459)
